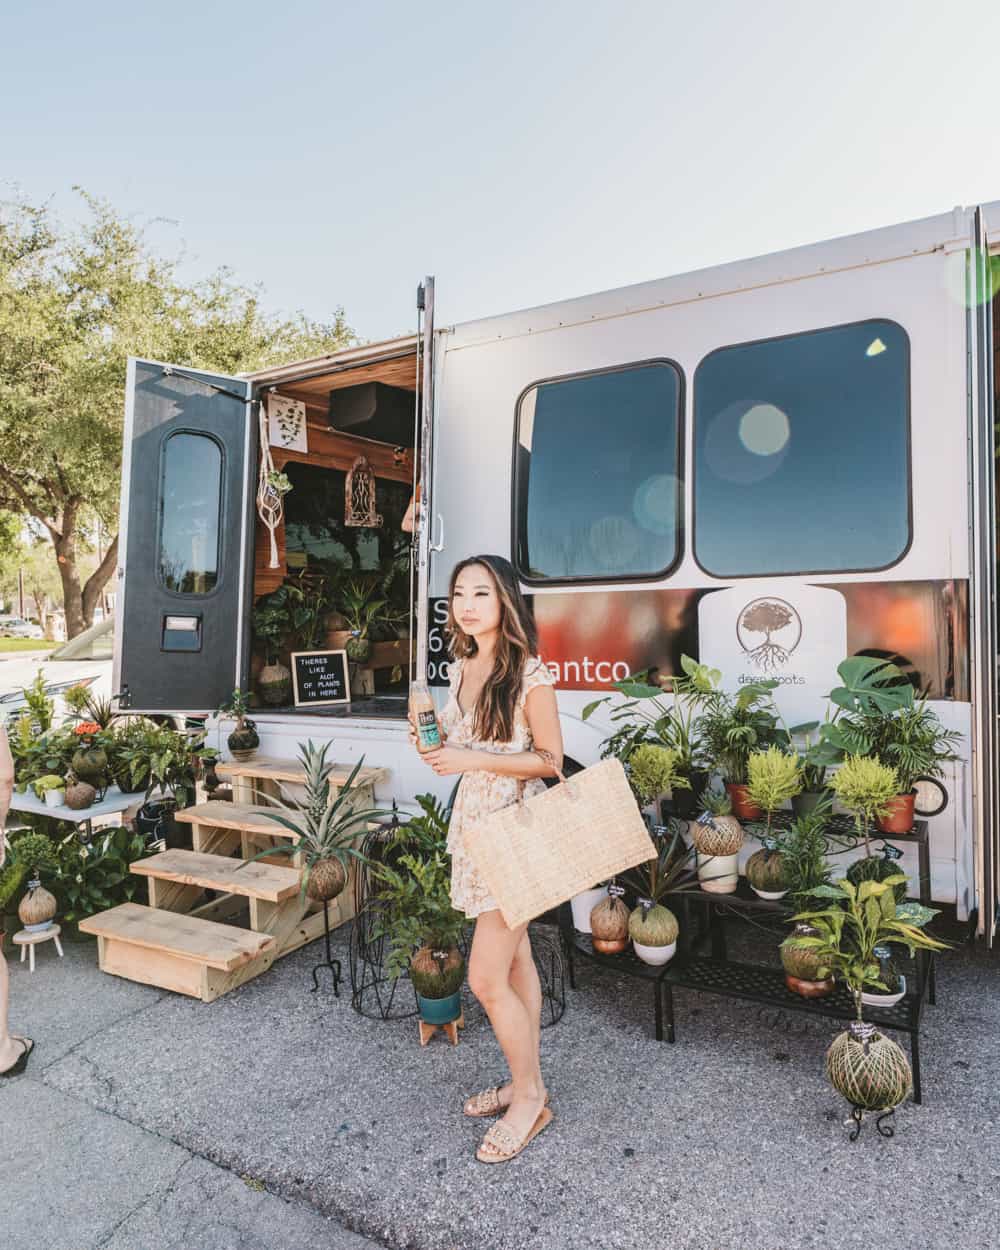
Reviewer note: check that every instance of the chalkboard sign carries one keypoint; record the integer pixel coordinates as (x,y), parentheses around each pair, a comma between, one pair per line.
(320,678)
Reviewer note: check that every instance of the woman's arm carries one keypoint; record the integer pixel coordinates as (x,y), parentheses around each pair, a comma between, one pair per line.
(6,788)
(542,714)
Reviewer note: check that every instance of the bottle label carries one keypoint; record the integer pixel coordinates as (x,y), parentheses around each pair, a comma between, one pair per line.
(427,729)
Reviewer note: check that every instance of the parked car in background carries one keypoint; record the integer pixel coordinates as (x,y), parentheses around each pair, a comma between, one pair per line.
(84,660)
(18,627)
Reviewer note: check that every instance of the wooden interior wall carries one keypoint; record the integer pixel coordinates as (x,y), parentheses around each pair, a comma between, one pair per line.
(328,450)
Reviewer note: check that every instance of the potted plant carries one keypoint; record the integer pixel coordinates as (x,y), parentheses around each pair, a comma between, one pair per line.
(424,930)
(652,772)
(132,742)
(916,744)
(243,741)
(805,868)
(863,1065)
(327,829)
(774,777)
(733,727)
(718,836)
(79,794)
(664,715)
(816,755)
(609,923)
(50,789)
(37,854)
(361,610)
(652,927)
(866,787)
(270,627)
(90,760)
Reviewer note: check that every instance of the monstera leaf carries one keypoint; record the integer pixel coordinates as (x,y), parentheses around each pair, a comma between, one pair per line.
(871,685)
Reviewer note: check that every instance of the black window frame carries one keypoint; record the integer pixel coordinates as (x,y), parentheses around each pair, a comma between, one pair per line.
(777,338)
(191,595)
(516,484)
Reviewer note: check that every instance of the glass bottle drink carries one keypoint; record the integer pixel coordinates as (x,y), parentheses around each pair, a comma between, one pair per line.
(425,721)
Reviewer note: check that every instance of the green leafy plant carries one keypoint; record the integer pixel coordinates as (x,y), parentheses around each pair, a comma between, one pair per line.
(663,715)
(169,755)
(327,829)
(858,919)
(75,698)
(734,726)
(40,708)
(42,785)
(414,908)
(804,849)
(773,777)
(91,878)
(866,787)
(36,853)
(815,752)
(671,871)
(910,739)
(653,770)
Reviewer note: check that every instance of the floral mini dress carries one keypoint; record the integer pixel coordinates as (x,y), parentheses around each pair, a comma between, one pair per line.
(483,792)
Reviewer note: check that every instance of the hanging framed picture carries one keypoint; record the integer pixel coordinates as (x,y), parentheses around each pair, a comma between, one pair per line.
(286,423)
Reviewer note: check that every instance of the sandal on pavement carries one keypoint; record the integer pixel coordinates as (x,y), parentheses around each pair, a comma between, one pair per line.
(500,1144)
(487,1103)
(27,1046)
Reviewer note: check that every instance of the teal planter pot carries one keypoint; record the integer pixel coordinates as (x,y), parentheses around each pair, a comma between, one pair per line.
(440,1010)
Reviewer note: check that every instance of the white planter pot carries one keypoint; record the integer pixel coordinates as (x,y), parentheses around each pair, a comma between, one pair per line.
(718,874)
(54,798)
(771,894)
(874,999)
(655,955)
(583,904)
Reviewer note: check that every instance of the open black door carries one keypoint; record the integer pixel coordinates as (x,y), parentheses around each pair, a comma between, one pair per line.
(186,533)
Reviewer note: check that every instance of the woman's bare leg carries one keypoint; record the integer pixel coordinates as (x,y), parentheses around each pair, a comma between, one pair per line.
(10,1047)
(526,985)
(494,948)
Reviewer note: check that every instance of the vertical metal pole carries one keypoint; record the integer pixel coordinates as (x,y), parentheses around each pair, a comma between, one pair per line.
(424,515)
(20,592)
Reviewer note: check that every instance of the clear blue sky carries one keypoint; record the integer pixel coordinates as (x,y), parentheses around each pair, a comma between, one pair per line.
(522,152)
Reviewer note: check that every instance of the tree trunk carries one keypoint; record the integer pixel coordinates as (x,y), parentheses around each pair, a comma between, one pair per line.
(79,600)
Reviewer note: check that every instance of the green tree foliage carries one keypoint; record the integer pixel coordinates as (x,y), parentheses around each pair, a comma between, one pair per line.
(74,304)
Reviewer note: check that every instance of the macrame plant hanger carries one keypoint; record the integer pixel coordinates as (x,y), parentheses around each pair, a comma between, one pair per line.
(270,508)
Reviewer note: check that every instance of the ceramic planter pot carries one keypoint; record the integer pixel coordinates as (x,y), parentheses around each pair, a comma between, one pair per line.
(655,955)
(718,874)
(769,894)
(872,998)
(583,904)
(899,818)
(743,808)
(810,989)
(54,798)
(440,1010)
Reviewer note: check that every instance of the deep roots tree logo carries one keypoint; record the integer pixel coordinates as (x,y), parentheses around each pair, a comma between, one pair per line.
(769,630)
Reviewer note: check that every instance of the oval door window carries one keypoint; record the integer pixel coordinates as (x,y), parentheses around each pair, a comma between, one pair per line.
(190,504)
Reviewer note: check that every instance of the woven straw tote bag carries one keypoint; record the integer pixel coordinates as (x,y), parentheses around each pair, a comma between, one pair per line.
(538,852)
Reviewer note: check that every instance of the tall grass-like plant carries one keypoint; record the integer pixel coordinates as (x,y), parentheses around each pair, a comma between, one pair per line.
(866,787)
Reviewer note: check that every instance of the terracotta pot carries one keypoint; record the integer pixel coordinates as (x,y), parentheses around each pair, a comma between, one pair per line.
(899,818)
(743,809)
(810,989)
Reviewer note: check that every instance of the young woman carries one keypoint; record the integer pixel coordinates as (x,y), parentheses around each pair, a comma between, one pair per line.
(502,735)
(14,1051)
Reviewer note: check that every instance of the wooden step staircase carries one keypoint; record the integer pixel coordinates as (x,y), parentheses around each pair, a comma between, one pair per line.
(204,948)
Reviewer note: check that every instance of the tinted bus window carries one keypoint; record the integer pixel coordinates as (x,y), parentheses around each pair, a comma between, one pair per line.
(596,476)
(802,449)
(190,501)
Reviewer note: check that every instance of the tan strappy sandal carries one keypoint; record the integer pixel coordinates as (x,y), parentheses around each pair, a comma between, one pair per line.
(504,1144)
(487,1103)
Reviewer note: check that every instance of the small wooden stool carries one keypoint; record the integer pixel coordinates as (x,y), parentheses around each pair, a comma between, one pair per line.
(28,941)
(450,1030)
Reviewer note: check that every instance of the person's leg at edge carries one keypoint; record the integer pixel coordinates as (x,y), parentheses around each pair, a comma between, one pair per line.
(526,985)
(11,1047)
(494,948)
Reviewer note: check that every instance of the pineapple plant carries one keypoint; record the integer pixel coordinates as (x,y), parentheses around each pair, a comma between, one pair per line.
(717,836)
(326,830)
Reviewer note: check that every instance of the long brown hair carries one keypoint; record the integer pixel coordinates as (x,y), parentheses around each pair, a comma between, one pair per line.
(493,720)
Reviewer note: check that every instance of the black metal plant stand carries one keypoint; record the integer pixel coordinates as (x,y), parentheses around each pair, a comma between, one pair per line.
(331,963)
(858,1117)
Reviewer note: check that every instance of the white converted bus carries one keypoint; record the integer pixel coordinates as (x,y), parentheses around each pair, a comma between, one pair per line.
(814,427)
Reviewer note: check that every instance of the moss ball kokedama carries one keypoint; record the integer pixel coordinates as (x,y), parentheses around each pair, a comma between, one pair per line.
(868,1069)
(609,923)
